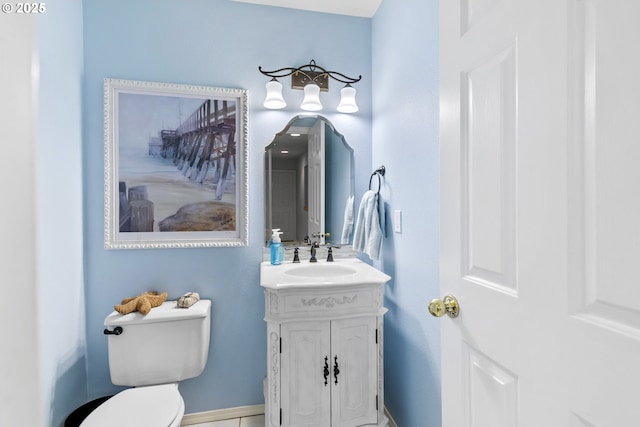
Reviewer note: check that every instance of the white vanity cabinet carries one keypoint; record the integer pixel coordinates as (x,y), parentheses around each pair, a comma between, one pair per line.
(325,361)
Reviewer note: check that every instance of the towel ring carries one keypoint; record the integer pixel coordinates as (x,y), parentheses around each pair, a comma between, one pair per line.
(380,172)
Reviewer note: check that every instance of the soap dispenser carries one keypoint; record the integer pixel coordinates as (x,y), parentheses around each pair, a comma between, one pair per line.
(277,250)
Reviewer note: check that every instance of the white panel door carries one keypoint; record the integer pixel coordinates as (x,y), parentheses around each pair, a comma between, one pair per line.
(540,212)
(315,192)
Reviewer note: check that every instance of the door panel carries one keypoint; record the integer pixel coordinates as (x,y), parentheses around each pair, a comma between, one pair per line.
(604,308)
(492,391)
(605,168)
(488,171)
(305,397)
(354,396)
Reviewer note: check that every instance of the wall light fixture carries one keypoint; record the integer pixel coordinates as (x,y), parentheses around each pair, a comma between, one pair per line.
(311,78)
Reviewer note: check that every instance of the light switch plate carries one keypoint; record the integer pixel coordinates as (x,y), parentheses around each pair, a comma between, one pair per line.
(397,221)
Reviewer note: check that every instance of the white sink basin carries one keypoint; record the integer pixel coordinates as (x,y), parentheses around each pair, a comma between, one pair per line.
(344,271)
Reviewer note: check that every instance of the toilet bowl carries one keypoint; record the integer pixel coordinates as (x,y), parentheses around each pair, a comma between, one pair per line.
(150,406)
(152,353)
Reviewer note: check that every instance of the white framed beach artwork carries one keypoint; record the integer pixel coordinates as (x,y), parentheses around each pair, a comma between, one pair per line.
(175,166)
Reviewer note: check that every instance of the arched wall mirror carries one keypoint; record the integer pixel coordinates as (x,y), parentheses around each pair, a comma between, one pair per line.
(309,183)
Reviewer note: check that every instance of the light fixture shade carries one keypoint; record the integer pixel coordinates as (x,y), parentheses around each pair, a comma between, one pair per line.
(348,100)
(311,101)
(274,99)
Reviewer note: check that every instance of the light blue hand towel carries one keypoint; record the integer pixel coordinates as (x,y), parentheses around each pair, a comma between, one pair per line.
(368,235)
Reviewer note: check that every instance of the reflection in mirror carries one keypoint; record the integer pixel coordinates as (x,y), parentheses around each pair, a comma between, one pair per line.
(309,183)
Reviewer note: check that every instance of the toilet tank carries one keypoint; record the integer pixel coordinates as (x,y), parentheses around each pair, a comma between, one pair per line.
(169,344)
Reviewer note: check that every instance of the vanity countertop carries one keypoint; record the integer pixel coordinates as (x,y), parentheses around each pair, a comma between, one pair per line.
(341,272)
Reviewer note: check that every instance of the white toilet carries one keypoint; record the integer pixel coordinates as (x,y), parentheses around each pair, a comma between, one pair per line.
(152,353)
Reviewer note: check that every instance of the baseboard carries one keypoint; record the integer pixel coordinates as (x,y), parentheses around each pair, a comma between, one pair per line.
(222,414)
(392,422)
(239,412)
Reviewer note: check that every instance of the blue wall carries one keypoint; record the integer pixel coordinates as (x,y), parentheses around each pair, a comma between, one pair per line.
(221,43)
(405,140)
(59,180)
(213,43)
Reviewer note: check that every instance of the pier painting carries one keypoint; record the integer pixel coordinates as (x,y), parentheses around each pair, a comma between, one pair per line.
(175,165)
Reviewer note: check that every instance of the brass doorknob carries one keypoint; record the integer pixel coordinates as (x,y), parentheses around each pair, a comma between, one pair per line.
(448,305)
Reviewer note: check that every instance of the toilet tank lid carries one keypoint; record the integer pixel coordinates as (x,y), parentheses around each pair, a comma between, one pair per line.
(166,312)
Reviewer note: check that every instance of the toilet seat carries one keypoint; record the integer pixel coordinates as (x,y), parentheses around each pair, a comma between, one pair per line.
(149,406)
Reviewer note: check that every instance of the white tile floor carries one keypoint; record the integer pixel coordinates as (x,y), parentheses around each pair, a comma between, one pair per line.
(255,421)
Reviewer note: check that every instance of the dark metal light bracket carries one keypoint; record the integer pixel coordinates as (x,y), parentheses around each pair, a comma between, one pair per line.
(311,72)
(299,79)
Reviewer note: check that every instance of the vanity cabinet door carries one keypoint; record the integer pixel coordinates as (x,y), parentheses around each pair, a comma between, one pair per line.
(354,388)
(305,395)
(329,373)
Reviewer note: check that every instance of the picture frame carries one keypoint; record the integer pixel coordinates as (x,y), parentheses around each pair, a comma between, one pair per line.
(175,165)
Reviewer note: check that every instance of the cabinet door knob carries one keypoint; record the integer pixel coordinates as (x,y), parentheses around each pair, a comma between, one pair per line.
(336,371)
